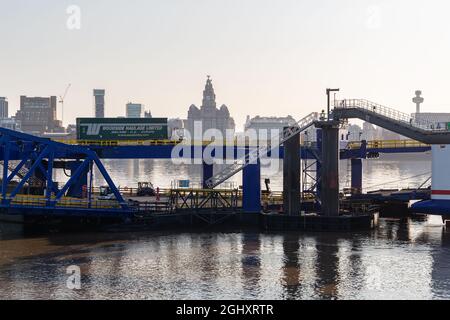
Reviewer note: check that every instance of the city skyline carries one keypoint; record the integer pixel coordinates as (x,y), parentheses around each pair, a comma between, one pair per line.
(281,67)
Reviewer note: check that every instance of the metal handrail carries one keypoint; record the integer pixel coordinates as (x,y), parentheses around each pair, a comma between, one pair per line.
(39,201)
(114,143)
(374,144)
(390,113)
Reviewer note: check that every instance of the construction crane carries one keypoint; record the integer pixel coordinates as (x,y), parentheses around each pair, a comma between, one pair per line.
(61,100)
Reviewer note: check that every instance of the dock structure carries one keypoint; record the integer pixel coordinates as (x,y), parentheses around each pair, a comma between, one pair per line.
(31,160)
(418,129)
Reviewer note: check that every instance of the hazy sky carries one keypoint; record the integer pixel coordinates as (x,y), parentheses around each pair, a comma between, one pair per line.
(266,57)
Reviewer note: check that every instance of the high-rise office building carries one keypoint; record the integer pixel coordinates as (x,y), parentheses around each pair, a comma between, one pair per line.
(38,115)
(268,127)
(3,108)
(134,110)
(99,97)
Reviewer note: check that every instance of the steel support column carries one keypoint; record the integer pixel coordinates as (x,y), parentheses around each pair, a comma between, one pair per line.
(330,168)
(291,176)
(251,188)
(357,175)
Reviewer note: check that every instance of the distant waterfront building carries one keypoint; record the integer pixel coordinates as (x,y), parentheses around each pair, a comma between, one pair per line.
(38,115)
(268,125)
(99,97)
(148,114)
(175,128)
(3,108)
(389,135)
(209,115)
(435,120)
(355,132)
(72,129)
(10,123)
(370,132)
(134,110)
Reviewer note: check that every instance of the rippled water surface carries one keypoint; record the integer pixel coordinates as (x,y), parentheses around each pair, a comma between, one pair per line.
(407,259)
(402,259)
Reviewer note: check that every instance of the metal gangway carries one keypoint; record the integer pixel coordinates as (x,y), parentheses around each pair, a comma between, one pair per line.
(252,156)
(407,125)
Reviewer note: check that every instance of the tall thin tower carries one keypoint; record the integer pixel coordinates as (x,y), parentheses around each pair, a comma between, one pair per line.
(3,108)
(99,96)
(418,100)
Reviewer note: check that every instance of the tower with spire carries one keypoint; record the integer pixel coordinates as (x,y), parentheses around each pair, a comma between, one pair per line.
(209,96)
(210,116)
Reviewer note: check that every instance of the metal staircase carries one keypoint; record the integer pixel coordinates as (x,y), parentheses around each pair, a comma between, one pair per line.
(387,112)
(404,124)
(258,152)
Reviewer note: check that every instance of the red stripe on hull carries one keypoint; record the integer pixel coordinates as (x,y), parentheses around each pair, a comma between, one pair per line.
(441,192)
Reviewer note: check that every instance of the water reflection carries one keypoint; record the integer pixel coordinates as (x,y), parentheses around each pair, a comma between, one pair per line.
(402,259)
(251,264)
(327,271)
(291,279)
(440,276)
(407,258)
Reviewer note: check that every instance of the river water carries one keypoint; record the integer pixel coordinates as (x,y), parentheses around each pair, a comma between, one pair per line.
(406,259)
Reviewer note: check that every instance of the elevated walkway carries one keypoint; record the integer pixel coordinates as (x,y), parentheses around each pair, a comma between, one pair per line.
(392,120)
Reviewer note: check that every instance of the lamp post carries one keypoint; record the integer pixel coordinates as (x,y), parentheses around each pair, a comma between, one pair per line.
(329,102)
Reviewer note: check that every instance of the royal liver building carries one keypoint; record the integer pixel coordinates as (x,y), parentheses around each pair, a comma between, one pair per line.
(210,116)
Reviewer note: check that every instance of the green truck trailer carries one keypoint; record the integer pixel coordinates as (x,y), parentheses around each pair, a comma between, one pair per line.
(101,129)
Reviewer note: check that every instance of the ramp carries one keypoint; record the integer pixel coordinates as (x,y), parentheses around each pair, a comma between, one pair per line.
(392,120)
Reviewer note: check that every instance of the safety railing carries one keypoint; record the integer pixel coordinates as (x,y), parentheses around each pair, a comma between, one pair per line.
(387,144)
(395,187)
(387,112)
(215,200)
(118,143)
(114,143)
(111,143)
(40,201)
(132,191)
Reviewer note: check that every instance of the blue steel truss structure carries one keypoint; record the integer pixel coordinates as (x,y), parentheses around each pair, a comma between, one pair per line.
(41,154)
